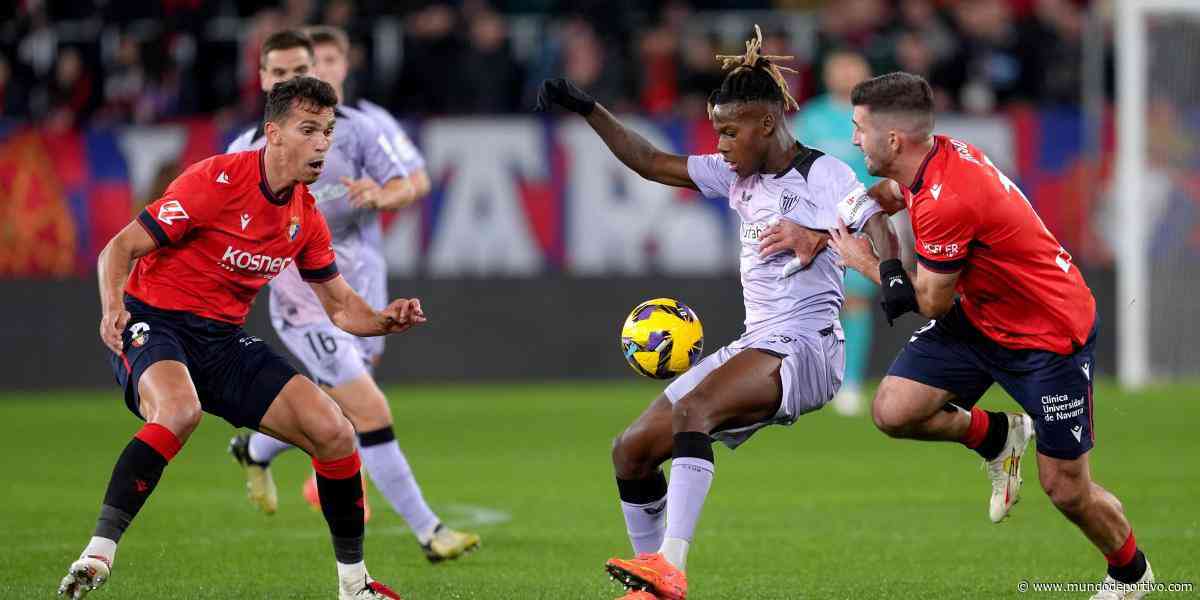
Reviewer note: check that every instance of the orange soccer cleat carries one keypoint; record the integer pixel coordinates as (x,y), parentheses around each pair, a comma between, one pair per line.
(313,497)
(650,572)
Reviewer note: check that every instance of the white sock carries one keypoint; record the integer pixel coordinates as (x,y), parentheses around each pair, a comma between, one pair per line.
(390,472)
(675,551)
(691,478)
(100,546)
(354,576)
(264,448)
(645,524)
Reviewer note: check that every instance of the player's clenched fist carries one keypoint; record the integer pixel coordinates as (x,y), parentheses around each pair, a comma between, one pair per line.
(402,314)
(566,94)
(112,324)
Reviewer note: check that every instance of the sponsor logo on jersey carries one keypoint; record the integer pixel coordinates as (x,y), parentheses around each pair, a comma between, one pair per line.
(139,334)
(326,193)
(245,221)
(223,178)
(293,228)
(935,191)
(256,263)
(171,211)
(1062,407)
(752,232)
(942,249)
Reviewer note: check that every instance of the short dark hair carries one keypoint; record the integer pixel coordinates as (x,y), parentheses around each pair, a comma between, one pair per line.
(284,40)
(326,34)
(897,92)
(295,91)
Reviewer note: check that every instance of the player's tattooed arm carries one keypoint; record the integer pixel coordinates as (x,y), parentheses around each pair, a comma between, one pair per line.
(630,148)
(112,269)
(350,313)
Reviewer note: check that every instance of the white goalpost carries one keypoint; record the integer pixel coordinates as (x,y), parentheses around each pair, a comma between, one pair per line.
(1158,85)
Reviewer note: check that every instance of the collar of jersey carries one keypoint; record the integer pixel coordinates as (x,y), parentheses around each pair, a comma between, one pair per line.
(803,152)
(919,180)
(284,196)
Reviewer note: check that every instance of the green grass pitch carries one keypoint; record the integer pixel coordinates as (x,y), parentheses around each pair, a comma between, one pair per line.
(828,508)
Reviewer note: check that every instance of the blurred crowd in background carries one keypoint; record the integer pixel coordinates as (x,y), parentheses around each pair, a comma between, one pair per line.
(69,63)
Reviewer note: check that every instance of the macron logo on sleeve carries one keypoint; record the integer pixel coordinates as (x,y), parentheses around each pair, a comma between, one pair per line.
(171,211)
(223,178)
(935,191)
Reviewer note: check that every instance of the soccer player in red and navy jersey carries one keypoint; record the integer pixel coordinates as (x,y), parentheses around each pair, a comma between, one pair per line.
(222,230)
(1023,318)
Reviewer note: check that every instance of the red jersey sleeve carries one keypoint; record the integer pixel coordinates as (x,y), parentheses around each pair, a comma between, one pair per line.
(316,261)
(945,227)
(188,203)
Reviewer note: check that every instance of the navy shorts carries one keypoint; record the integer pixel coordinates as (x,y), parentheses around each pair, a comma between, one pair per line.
(236,375)
(949,353)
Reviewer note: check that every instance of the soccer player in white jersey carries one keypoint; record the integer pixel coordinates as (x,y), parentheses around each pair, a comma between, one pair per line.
(790,359)
(362,176)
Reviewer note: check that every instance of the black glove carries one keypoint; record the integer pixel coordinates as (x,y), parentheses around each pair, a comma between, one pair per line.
(566,94)
(899,296)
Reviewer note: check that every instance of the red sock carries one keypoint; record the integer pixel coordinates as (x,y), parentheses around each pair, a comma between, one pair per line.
(1125,554)
(977,430)
(161,439)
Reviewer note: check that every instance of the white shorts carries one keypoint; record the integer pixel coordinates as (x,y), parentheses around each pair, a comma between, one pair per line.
(331,356)
(810,373)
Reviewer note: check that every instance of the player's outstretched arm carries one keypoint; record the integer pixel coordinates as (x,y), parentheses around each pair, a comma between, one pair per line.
(352,314)
(630,148)
(112,269)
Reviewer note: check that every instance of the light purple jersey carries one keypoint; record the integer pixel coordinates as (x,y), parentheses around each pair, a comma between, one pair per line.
(813,191)
(359,150)
(411,159)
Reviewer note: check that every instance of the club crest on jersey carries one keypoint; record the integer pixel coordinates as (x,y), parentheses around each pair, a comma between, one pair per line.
(788,201)
(293,228)
(139,334)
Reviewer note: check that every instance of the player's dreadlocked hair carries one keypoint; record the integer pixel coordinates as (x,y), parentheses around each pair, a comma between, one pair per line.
(755,77)
(308,91)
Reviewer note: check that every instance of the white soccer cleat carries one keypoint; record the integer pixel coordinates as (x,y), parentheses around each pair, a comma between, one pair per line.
(260,486)
(1111,589)
(1005,470)
(85,575)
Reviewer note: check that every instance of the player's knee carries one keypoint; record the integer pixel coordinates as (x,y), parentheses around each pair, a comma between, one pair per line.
(691,412)
(1068,491)
(332,436)
(181,413)
(628,461)
(887,416)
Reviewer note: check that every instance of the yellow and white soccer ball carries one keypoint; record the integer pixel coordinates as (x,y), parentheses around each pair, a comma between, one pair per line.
(662,338)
